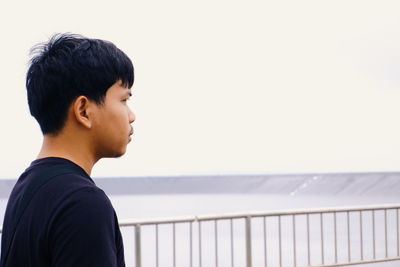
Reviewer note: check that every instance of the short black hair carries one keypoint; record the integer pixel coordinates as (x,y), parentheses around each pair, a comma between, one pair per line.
(68,66)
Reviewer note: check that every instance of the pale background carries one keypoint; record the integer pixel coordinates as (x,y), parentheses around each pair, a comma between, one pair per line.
(227,86)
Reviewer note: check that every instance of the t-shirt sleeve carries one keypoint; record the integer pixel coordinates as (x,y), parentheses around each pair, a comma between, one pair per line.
(83,231)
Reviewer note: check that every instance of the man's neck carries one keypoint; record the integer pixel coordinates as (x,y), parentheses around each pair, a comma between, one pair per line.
(71,149)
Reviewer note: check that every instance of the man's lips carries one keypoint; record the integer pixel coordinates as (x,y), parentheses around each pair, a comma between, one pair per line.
(130,134)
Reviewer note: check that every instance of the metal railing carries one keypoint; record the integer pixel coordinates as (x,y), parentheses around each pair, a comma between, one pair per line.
(310,237)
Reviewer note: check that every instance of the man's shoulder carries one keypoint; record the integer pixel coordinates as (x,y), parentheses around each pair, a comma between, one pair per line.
(61,187)
(71,195)
(71,188)
(56,174)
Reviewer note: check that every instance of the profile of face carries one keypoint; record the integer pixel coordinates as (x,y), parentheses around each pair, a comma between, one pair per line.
(111,128)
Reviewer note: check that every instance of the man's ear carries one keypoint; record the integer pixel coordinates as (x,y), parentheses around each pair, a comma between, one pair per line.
(82,110)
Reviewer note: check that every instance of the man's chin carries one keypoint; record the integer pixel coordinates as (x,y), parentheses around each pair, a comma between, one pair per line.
(115,154)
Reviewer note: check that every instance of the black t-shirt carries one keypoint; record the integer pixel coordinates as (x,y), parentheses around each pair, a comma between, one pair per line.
(68,222)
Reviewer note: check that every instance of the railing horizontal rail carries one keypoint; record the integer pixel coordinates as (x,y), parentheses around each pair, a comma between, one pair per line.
(357,262)
(212,217)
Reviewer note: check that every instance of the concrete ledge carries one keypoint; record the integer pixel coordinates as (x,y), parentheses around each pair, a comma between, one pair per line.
(362,184)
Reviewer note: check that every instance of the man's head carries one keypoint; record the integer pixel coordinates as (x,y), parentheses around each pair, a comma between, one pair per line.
(80,78)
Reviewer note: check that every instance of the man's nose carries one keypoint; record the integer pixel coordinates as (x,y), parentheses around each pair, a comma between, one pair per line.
(132,116)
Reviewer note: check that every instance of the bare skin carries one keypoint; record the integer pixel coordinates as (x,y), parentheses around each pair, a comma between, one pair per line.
(93,131)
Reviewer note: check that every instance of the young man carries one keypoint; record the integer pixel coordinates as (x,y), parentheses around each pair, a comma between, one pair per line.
(56,216)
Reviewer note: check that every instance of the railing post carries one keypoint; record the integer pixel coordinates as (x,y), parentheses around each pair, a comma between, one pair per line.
(248,241)
(138,250)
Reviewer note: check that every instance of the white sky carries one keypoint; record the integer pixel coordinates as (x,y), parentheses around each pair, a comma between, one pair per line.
(227,86)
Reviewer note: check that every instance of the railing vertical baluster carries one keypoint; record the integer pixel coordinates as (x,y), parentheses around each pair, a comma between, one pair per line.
(373,234)
(322,238)
(308,240)
(138,252)
(200,244)
(191,243)
(280,240)
(248,242)
(335,231)
(265,241)
(294,240)
(157,253)
(348,236)
(173,244)
(398,233)
(386,235)
(232,245)
(216,242)
(361,237)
